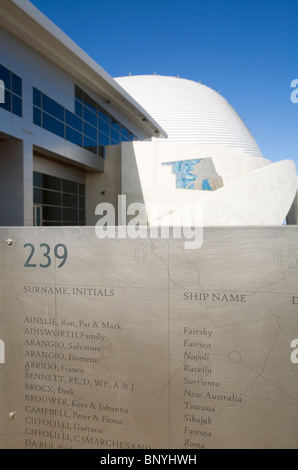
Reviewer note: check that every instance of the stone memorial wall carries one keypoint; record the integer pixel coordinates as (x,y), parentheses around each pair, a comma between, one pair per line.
(142,344)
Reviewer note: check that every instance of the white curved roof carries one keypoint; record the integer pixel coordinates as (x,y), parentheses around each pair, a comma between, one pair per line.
(190,111)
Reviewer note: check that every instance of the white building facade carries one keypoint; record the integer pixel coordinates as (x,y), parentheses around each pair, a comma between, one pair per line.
(72,137)
(209,159)
(59,112)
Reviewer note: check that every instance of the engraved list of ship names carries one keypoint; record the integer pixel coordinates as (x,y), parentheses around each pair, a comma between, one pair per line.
(141,344)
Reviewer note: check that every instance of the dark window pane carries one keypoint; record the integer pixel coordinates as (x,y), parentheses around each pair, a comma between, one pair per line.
(37,196)
(73,136)
(90,117)
(37,116)
(101,151)
(103,115)
(52,125)
(5,75)
(52,213)
(82,217)
(53,108)
(37,179)
(7,103)
(37,215)
(90,131)
(73,121)
(17,105)
(81,189)
(115,136)
(70,201)
(16,84)
(115,125)
(51,198)
(78,93)
(51,182)
(131,137)
(90,145)
(103,139)
(103,127)
(52,224)
(82,203)
(124,133)
(78,108)
(36,97)
(70,215)
(69,187)
(59,207)
(90,103)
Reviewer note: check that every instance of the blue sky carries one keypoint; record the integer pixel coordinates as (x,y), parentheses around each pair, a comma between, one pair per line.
(247,49)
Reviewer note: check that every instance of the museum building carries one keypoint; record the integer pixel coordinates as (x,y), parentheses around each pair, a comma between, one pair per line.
(72,137)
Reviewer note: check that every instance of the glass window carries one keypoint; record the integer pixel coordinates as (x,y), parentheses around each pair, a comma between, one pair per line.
(90,145)
(78,108)
(12,91)
(7,103)
(124,133)
(52,224)
(16,84)
(36,116)
(90,117)
(69,187)
(115,136)
(51,182)
(63,201)
(103,127)
(36,97)
(37,216)
(115,125)
(82,217)
(103,115)
(79,93)
(52,213)
(90,103)
(101,151)
(81,189)
(70,224)
(73,136)
(73,121)
(51,198)
(81,128)
(82,202)
(37,196)
(51,124)
(5,75)
(17,105)
(52,108)
(90,131)
(70,215)
(37,179)
(69,200)
(103,139)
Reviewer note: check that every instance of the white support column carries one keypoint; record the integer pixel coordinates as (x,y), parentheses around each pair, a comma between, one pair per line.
(16,182)
(28,183)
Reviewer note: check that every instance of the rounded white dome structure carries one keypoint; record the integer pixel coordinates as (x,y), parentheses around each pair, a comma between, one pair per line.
(189,111)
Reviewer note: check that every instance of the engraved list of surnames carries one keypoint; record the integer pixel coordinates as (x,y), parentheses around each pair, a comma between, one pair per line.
(129,344)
